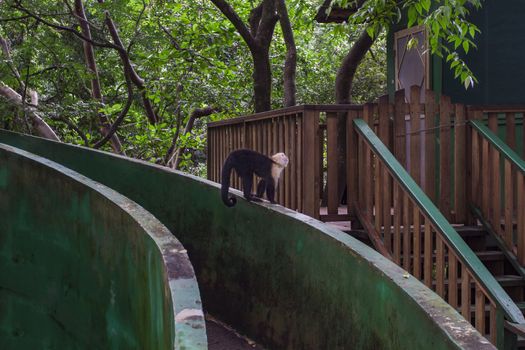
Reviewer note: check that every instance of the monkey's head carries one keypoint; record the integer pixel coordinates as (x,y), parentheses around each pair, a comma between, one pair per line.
(281,159)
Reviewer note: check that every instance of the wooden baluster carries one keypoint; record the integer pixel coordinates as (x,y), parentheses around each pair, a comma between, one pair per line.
(398,203)
(429,252)
(444,155)
(452,279)
(286,174)
(299,164)
(496,191)
(460,138)
(378,217)
(406,232)
(332,180)
(480,310)
(400,128)
(493,324)
(440,267)
(282,147)
(292,166)
(430,145)
(485,178)
(415,139)
(351,163)
(510,130)
(417,243)
(476,198)
(386,185)
(493,169)
(520,214)
(509,201)
(368,180)
(465,293)
(310,167)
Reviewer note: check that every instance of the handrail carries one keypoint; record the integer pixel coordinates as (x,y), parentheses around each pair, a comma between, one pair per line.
(501,146)
(287,110)
(498,108)
(461,249)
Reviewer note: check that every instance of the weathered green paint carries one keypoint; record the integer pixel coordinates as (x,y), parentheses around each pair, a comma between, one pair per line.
(440,223)
(83,267)
(280,277)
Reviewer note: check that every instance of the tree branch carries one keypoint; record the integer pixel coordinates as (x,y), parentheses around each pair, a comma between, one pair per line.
(107,44)
(237,22)
(290,63)
(174,158)
(41,127)
(113,129)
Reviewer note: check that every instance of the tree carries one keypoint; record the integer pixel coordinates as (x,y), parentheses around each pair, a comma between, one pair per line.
(188,56)
(258,37)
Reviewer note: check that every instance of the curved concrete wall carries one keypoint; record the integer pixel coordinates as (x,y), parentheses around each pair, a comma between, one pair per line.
(277,276)
(82,267)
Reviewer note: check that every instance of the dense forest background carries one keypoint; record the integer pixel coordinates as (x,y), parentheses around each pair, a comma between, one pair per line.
(143,77)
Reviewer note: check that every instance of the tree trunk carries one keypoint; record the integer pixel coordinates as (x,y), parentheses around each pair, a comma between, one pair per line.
(258,37)
(343,90)
(96,90)
(262,81)
(290,63)
(41,127)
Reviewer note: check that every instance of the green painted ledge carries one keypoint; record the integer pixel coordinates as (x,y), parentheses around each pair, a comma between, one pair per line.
(280,277)
(83,267)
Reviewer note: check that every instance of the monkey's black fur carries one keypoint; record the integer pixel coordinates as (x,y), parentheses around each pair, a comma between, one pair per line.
(246,163)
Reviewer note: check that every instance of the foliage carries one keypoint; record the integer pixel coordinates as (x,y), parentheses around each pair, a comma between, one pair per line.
(188,55)
(445,20)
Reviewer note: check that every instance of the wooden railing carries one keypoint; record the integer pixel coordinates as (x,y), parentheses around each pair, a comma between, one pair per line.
(498,188)
(295,131)
(428,139)
(414,233)
(505,120)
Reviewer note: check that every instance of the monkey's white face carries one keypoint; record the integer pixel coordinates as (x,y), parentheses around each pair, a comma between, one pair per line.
(281,159)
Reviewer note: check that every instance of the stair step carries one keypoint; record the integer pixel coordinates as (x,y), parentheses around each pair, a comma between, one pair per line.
(470,231)
(491,255)
(510,280)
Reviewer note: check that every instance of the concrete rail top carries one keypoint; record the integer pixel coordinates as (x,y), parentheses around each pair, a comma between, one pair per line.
(82,266)
(282,278)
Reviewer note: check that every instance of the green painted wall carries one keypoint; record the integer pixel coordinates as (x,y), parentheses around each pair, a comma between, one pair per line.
(280,277)
(82,267)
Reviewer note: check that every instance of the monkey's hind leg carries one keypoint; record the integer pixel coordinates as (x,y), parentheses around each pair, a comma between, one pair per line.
(261,188)
(247,183)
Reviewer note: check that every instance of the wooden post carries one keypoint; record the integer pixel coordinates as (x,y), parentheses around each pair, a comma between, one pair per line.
(311,167)
(332,157)
(444,138)
(351,164)
(415,142)
(459,164)
(430,145)
(384,135)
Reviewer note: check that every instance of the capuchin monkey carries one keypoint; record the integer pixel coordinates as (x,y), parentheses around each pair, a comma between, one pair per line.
(246,163)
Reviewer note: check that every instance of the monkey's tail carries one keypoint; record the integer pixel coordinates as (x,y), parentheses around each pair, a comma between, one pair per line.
(225,183)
